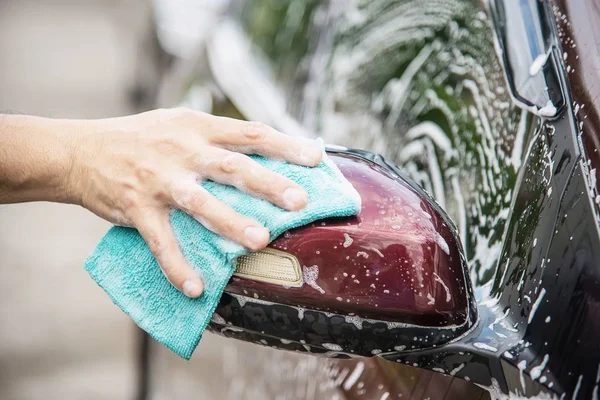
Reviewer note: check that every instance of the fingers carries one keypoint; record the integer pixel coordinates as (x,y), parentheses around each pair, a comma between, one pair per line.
(239,170)
(156,230)
(258,138)
(196,201)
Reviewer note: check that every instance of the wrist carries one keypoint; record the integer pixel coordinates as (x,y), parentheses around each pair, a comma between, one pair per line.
(38,160)
(58,177)
(70,168)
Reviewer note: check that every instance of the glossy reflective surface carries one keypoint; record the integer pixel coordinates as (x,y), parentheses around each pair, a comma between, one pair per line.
(398,261)
(368,293)
(578,32)
(420,82)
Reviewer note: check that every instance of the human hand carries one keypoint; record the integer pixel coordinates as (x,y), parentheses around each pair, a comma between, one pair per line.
(133,170)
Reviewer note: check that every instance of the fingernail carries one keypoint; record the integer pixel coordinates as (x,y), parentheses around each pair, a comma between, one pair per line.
(312,154)
(294,198)
(191,289)
(257,237)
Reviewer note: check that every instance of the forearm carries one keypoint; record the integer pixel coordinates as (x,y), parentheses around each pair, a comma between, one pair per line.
(36,159)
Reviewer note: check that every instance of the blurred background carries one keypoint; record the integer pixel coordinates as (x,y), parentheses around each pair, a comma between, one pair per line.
(60,335)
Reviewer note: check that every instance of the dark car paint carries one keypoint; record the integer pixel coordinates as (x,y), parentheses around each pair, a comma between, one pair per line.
(578,30)
(538,305)
(398,236)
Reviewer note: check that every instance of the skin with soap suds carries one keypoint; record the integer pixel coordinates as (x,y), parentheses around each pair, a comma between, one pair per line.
(133,170)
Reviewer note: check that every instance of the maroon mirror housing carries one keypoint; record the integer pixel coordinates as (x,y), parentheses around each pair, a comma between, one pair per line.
(392,279)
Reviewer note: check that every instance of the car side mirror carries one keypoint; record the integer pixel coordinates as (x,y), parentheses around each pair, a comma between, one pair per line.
(392,279)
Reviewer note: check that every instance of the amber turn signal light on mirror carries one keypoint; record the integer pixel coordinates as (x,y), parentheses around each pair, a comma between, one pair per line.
(271,266)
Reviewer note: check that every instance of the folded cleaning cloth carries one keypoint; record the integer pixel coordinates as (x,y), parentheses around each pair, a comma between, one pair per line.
(124,267)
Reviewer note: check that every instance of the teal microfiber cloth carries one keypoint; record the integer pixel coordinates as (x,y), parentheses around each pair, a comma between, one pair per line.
(124,267)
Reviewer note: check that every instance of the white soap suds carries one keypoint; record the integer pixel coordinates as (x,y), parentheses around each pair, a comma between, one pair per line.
(332,346)
(498,319)
(362,254)
(311,274)
(508,327)
(441,242)
(522,365)
(497,394)
(535,305)
(354,319)
(216,318)
(347,240)
(231,328)
(455,370)
(356,373)
(576,392)
(597,387)
(431,299)
(536,372)
(537,64)
(486,347)
(242,300)
(548,110)
(377,252)
(441,282)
